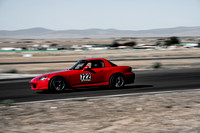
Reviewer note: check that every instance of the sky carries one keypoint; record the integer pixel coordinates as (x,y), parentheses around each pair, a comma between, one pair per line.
(102,14)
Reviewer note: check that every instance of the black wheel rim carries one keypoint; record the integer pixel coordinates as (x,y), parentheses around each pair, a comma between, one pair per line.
(58,84)
(119,81)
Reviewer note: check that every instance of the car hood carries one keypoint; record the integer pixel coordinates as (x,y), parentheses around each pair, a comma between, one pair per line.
(51,74)
(55,73)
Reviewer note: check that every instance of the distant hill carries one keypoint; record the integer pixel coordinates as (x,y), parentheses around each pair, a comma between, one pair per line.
(35,33)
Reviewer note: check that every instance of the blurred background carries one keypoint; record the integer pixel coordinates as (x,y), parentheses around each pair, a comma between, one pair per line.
(38,37)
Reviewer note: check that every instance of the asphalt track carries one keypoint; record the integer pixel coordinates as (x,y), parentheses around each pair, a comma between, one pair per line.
(147,81)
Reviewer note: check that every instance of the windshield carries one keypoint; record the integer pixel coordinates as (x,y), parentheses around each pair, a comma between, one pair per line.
(79,65)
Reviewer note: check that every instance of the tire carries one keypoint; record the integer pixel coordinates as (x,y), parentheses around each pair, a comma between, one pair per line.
(57,84)
(116,81)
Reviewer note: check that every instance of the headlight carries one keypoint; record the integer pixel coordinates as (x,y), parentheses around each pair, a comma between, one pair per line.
(43,78)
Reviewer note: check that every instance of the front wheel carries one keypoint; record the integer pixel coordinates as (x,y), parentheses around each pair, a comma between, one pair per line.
(117,81)
(57,84)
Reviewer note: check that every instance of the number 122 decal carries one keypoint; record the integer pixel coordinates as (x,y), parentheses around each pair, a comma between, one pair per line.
(85,77)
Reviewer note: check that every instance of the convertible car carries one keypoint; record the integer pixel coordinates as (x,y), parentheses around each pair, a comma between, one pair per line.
(88,72)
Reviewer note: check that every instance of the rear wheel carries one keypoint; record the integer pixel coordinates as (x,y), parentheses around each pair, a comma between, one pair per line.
(57,84)
(117,81)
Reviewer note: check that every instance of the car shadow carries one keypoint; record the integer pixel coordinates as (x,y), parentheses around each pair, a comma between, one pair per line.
(100,88)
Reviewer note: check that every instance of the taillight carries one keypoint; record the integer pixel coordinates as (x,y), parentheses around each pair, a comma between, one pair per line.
(130,69)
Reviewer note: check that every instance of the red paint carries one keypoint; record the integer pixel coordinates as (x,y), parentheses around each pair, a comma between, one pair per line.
(93,76)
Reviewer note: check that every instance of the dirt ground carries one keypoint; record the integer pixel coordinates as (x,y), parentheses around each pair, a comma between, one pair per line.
(136,65)
(77,55)
(67,54)
(165,112)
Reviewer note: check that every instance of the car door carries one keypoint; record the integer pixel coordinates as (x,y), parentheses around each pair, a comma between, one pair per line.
(94,74)
(78,76)
(99,71)
(81,77)
(98,75)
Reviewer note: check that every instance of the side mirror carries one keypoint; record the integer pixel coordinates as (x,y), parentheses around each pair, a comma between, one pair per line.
(86,68)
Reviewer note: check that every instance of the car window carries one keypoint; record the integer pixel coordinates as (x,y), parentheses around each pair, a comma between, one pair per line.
(97,64)
(89,64)
(112,63)
(79,65)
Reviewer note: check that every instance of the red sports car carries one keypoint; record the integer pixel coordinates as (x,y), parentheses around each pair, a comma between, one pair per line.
(88,72)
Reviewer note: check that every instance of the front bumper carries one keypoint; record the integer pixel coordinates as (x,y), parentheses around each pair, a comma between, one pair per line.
(39,85)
